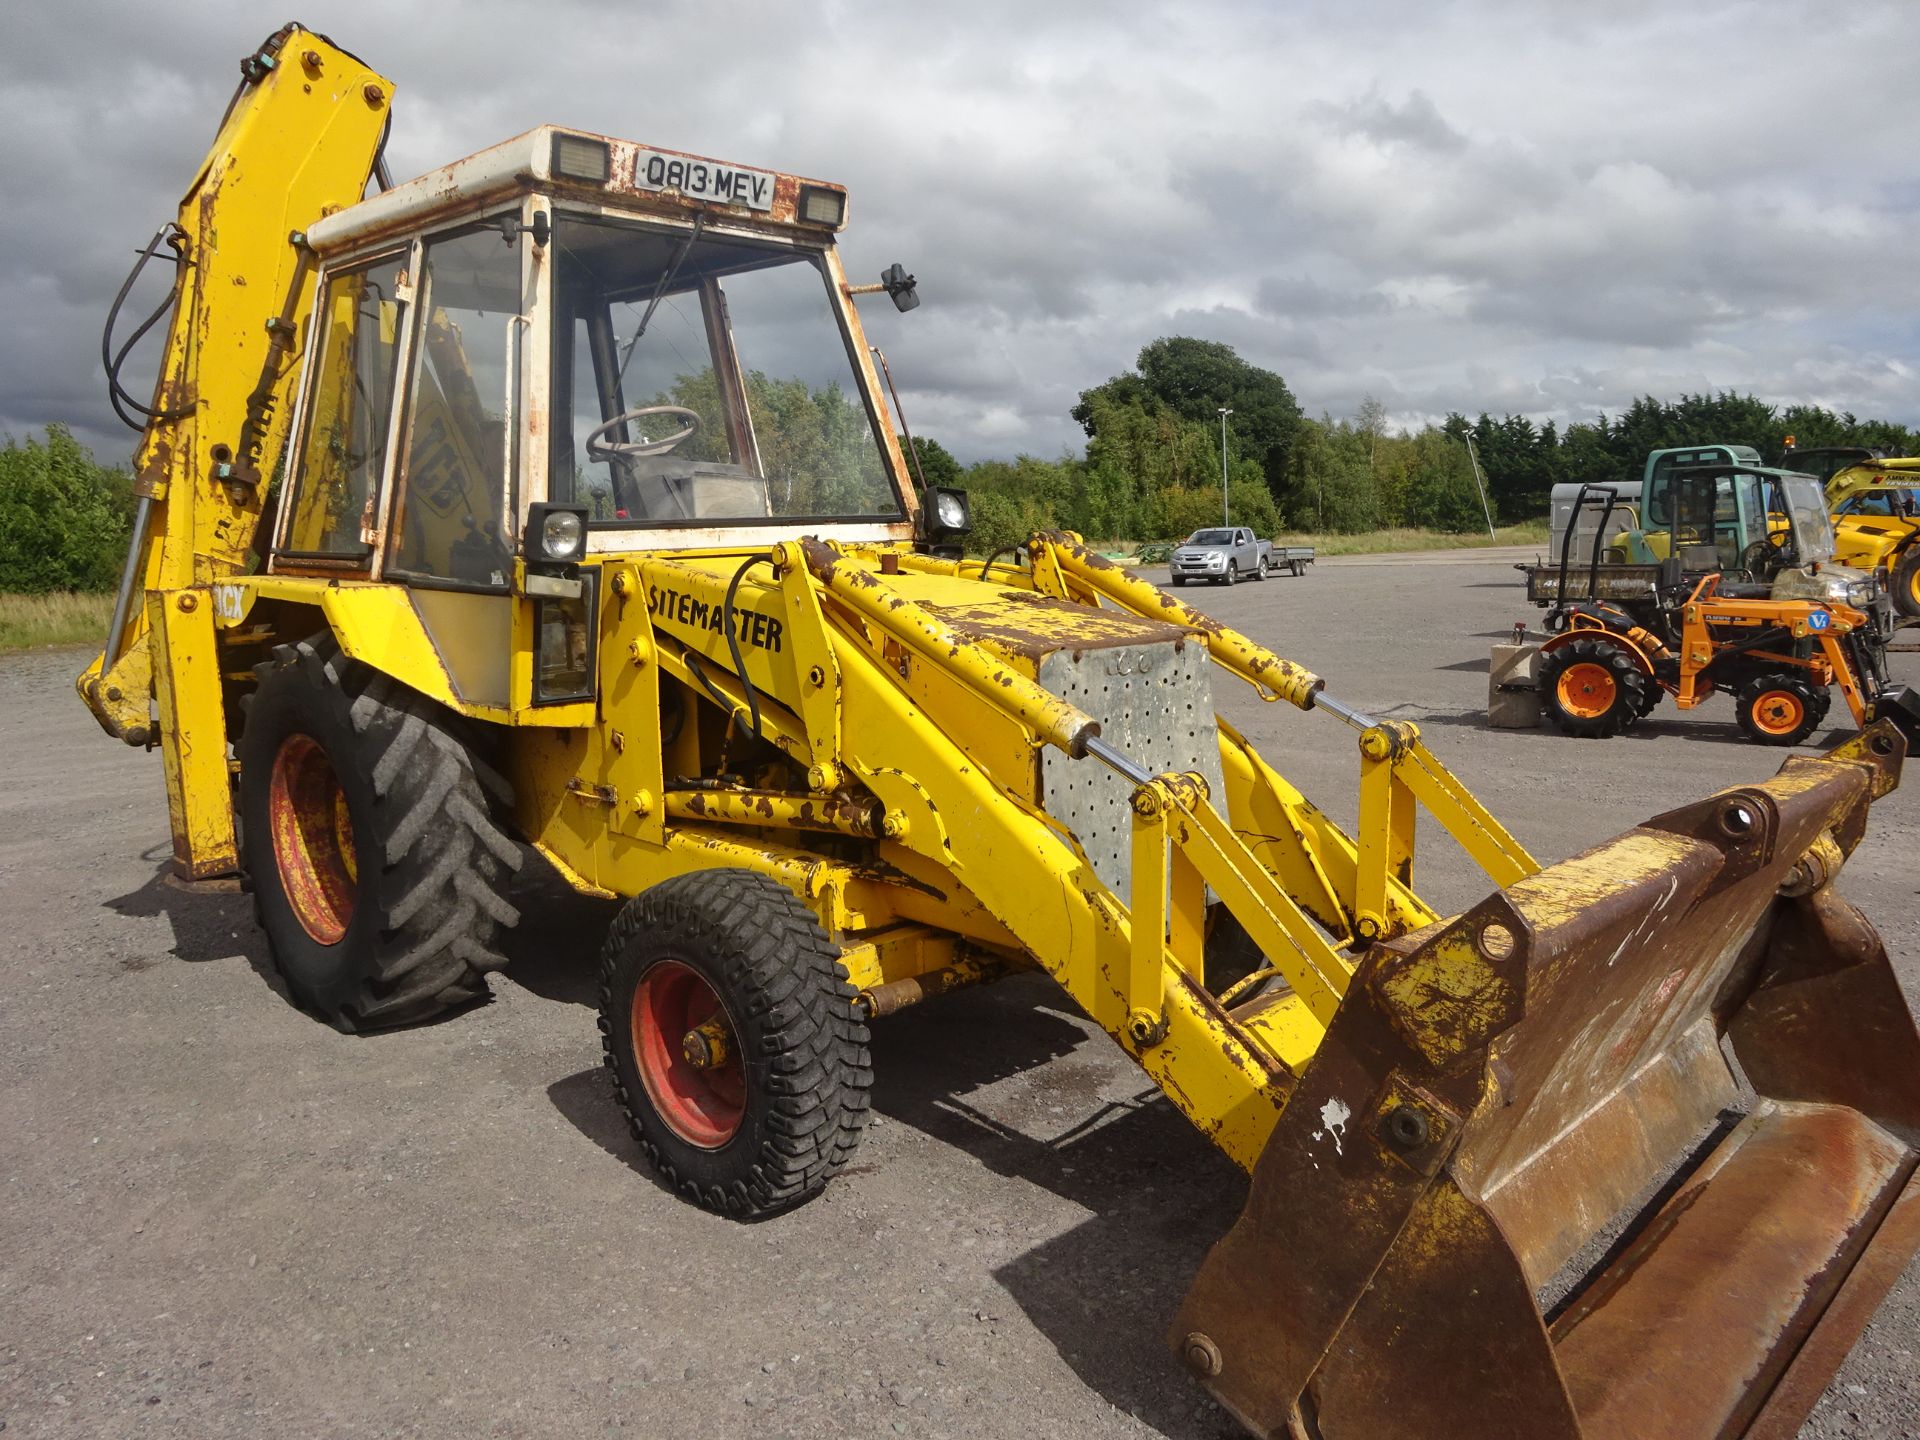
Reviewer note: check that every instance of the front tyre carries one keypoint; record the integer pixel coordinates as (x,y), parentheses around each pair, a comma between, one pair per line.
(376,865)
(1233,572)
(1593,688)
(727,1020)
(1780,709)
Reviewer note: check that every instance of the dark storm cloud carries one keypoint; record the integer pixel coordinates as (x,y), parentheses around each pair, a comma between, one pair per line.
(1498,204)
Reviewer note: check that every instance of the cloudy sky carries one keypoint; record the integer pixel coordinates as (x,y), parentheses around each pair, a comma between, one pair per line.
(1512,205)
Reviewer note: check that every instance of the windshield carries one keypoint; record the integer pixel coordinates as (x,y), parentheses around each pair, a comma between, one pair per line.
(701,380)
(1211,537)
(1807,507)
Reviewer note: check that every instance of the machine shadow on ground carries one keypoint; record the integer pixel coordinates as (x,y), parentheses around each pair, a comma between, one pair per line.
(1007,1076)
(1714,732)
(210,920)
(554,952)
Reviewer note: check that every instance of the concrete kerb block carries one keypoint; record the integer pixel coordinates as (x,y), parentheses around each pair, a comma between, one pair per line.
(1512,701)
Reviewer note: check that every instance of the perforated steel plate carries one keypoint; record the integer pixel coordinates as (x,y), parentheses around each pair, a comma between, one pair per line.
(1154,702)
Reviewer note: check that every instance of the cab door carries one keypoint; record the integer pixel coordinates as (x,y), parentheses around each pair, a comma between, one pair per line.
(337,470)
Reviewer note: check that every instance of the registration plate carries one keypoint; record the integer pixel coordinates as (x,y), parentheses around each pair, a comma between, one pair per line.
(703,180)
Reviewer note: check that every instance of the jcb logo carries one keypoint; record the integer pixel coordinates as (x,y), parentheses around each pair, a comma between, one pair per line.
(230,602)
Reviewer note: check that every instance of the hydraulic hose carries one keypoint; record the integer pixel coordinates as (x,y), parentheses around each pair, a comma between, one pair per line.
(112,360)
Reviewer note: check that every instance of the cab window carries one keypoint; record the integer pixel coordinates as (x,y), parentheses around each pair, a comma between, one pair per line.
(358,318)
(1882,503)
(449,523)
(702,380)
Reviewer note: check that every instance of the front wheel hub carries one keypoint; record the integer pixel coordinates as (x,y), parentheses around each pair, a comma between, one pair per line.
(683,1048)
(1779,712)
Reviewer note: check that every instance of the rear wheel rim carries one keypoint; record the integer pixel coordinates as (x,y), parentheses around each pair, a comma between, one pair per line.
(1779,712)
(312,839)
(702,1105)
(1913,588)
(1587,690)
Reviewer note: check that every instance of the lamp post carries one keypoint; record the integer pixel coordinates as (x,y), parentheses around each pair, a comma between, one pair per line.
(1226,503)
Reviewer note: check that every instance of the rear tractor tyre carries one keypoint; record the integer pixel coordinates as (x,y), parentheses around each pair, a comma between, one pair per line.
(1593,688)
(1780,709)
(728,1023)
(368,833)
(1906,582)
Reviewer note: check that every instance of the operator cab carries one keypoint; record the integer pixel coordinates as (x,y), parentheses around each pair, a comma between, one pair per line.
(661,345)
(1882,502)
(1768,534)
(1742,520)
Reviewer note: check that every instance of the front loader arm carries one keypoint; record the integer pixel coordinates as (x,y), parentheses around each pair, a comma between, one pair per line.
(299,141)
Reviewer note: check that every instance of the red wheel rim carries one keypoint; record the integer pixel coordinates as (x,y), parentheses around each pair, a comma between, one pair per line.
(1587,690)
(703,1105)
(1778,712)
(312,839)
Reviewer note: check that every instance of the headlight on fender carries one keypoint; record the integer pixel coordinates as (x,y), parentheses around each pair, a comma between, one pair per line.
(555,534)
(949,514)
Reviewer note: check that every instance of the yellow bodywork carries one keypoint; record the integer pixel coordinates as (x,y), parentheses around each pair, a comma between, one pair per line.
(298,143)
(920,838)
(1869,541)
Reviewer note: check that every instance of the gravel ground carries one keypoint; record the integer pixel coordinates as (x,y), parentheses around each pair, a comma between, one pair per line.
(221,1219)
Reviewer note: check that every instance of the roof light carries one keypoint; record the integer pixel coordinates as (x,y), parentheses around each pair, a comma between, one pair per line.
(821,206)
(575,157)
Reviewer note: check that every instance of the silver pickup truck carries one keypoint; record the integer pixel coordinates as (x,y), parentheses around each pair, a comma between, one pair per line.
(1227,554)
(1224,554)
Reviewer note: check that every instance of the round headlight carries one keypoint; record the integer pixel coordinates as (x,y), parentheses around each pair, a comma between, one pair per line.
(562,535)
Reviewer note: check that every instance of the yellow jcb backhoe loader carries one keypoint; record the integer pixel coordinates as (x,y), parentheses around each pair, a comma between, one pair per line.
(591,534)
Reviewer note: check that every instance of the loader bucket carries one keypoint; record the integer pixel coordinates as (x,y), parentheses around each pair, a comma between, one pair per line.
(1498,1092)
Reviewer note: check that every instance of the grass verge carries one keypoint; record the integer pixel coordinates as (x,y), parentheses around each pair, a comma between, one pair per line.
(28,622)
(1397,541)
(1390,542)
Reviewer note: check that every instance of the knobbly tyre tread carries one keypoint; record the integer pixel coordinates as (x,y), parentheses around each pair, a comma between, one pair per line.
(783,982)
(443,856)
(1634,685)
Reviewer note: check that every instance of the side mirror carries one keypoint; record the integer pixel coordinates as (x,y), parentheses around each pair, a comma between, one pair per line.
(900,287)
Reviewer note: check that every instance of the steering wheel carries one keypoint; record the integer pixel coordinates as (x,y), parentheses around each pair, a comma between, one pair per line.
(597,449)
(1763,556)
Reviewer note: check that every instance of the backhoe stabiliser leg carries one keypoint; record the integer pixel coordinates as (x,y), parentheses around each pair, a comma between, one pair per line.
(1497,1088)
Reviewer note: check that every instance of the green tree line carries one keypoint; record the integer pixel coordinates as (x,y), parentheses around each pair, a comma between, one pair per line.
(1151,469)
(64,520)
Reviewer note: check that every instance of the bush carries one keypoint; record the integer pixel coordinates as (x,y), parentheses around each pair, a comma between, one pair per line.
(64,521)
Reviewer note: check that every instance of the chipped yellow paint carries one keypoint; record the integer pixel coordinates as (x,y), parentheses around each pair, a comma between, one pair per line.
(193,733)
(1450,998)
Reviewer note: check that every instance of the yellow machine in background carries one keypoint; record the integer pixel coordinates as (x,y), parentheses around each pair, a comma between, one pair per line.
(593,536)
(1875,502)
(1876,522)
